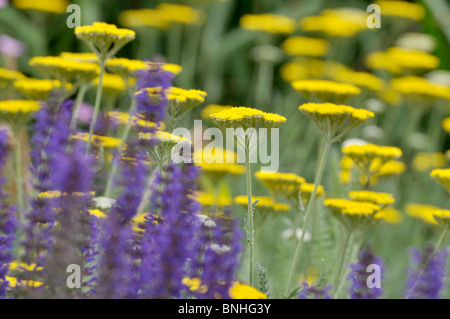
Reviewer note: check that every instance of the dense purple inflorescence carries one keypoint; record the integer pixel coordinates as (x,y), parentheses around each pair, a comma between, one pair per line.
(359,275)
(426,276)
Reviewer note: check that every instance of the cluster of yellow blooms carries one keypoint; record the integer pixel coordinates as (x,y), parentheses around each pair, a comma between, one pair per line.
(305,46)
(401,9)
(265,204)
(245,117)
(280,184)
(38,89)
(271,23)
(9,76)
(237,290)
(325,90)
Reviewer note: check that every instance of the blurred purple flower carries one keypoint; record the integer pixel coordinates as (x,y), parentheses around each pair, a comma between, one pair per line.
(313,292)
(10,46)
(426,276)
(358,276)
(85,113)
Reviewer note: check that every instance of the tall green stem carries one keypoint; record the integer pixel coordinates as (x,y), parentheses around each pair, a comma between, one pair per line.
(342,258)
(311,203)
(251,233)
(79,99)
(98,99)
(124,137)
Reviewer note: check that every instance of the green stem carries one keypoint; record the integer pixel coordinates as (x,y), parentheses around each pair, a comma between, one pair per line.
(251,233)
(311,202)
(98,99)
(342,258)
(79,99)
(124,137)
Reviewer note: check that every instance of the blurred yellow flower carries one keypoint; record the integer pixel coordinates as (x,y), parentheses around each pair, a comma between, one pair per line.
(442,176)
(425,161)
(401,9)
(51,6)
(242,291)
(270,23)
(422,211)
(38,89)
(306,46)
(325,90)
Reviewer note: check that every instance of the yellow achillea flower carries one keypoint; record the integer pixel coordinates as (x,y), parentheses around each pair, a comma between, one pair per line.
(97,213)
(270,23)
(307,189)
(446,124)
(370,157)
(65,70)
(334,120)
(335,23)
(89,57)
(425,161)
(242,291)
(389,215)
(442,216)
(382,199)
(442,176)
(56,194)
(265,204)
(208,199)
(352,213)
(361,79)
(326,90)
(38,89)
(51,6)
(104,39)
(194,285)
(417,88)
(128,68)
(297,45)
(391,168)
(422,211)
(400,60)
(218,163)
(213,108)
(104,141)
(113,84)
(15,265)
(165,138)
(15,111)
(143,18)
(9,76)
(122,118)
(401,9)
(178,13)
(14,282)
(246,117)
(180,101)
(280,184)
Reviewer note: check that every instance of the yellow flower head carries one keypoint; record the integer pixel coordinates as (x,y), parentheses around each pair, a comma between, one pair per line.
(104,39)
(218,163)
(51,6)
(270,23)
(14,282)
(38,89)
(143,18)
(363,80)
(16,111)
(442,176)
(65,70)
(326,90)
(335,119)
(122,118)
(297,45)
(242,291)
(195,285)
(213,108)
(401,9)
(178,13)
(352,213)
(389,215)
(104,141)
(422,211)
(400,60)
(265,205)
(419,89)
(336,23)
(113,84)
(128,69)
(9,76)
(208,199)
(382,199)
(442,216)
(446,124)
(370,157)
(89,57)
(426,161)
(280,184)
(15,265)
(180,101)
(307,189)
(246,117)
